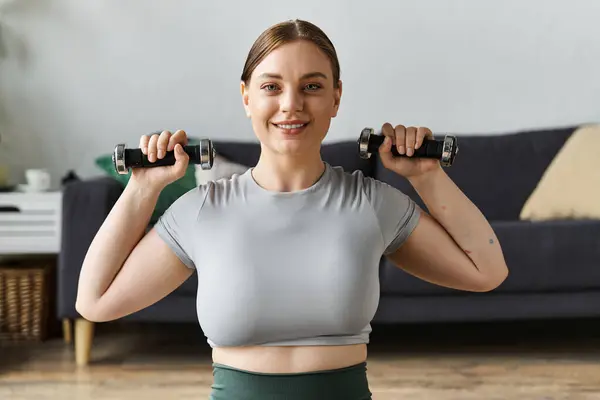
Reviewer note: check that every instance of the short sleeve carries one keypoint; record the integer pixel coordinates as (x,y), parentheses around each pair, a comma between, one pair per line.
(396,212)
(176,225)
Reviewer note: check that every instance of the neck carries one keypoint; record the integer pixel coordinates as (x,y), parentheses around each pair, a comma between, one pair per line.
(288,173)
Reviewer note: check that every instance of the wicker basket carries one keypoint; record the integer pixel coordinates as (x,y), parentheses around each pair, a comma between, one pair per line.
(25,299)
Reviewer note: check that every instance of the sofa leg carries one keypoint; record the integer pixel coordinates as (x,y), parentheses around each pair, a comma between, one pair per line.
(84,336)
(67,328)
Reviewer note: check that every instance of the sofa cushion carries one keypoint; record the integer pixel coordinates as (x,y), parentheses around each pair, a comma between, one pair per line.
(188,288)
(342,153)
(544,256)
(498,172)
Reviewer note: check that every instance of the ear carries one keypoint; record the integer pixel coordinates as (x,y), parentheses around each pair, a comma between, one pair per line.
(337,93)
(245,98)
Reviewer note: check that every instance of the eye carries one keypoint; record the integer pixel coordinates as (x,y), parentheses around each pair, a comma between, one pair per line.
(269,87)
(313,86)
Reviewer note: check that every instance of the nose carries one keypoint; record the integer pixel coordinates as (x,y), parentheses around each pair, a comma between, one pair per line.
(291,101)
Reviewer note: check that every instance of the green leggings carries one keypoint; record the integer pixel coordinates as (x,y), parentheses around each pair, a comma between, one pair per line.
(345,383)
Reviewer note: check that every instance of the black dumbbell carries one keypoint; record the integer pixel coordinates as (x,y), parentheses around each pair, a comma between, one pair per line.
(124,158)
(444,150)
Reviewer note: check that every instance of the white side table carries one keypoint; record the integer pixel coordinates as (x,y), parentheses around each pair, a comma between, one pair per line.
(30,223)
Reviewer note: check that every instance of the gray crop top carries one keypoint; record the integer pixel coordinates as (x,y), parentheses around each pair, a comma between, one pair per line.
(291,268)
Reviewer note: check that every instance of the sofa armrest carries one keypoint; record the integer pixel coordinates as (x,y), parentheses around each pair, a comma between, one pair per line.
(85,206)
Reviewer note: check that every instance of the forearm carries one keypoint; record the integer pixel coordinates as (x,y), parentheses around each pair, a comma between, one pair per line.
(463,221)
(122,229)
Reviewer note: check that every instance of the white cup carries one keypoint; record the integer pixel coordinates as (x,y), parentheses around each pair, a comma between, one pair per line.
(38,180)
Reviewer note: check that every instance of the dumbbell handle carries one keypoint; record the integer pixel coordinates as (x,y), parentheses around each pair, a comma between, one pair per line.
(430,148)
(444,150)
(124,158)
(134,158)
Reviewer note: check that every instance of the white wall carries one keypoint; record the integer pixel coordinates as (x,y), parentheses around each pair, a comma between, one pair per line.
(80,76)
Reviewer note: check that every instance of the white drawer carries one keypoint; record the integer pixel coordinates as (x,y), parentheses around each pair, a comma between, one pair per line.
(30,223)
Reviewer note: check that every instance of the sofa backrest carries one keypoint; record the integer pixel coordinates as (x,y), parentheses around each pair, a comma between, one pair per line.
(498,172)
(342,153)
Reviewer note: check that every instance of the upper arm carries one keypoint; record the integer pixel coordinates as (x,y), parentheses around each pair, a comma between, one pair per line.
(415,242)
(431,254)
(161,261)
(150,273)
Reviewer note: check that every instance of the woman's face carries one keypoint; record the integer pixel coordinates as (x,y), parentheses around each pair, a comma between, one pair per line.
(291,98)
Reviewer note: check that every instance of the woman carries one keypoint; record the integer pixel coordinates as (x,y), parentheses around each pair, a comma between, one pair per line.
(287,253)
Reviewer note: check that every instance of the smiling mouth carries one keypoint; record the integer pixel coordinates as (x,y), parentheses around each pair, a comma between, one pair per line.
(291,130)
(290,126)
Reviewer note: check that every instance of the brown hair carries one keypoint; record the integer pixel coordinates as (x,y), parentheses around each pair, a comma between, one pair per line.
(286,32)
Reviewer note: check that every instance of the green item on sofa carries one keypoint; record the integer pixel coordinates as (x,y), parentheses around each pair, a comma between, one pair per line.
(168,195)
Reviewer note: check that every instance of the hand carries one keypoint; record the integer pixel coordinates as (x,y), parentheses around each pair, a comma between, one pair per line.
(155,147)
(406,140)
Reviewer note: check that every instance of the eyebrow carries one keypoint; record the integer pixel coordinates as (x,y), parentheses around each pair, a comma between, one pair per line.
(305,76)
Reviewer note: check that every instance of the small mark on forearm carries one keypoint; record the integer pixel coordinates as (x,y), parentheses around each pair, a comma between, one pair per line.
(468,251)
(491,241)
(443,207)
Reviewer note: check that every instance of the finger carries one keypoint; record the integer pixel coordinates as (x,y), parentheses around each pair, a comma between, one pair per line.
(386,145)
(422,133)
(400,133)
(152,147)
(411,138)
(388,130)
(181,160)
(178,137)
(144,139)
(161,145)
(385,150)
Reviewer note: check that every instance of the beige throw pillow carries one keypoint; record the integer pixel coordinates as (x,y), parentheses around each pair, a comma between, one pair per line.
(570,186)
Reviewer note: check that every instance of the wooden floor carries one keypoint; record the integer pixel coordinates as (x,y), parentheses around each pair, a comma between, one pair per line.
(541,361)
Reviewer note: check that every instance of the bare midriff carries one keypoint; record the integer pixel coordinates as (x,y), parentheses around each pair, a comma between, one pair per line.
(290,359)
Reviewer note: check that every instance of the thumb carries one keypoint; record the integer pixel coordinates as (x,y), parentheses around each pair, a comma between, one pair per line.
(181,160)
(385,151)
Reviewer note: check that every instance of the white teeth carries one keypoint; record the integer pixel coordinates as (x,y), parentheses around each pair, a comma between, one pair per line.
(291,126)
